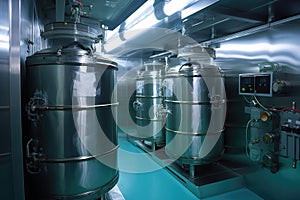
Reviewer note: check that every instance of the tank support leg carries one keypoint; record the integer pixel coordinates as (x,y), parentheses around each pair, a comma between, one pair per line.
(192,170)
(153,146)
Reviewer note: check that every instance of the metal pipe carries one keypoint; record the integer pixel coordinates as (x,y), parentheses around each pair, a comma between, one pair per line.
(164,54)
(248,32)
(60,10)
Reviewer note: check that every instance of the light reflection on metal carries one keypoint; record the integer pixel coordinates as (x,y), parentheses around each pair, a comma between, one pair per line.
(80,158)
(144,18)
(5,154)
(75,107)
(176,5)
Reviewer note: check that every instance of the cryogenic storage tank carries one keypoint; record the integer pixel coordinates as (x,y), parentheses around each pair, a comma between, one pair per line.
(194,94)
(149,102)
(72,139)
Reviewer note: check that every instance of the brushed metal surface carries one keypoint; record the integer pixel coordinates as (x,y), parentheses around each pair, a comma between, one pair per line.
(76,128)
(149,102)
(277,43)
(15,57)
(190,104)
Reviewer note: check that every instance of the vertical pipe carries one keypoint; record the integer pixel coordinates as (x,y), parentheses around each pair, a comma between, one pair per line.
(15,98)
(60,10)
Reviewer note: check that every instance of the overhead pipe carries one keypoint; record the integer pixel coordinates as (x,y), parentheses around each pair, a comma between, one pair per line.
(60,10)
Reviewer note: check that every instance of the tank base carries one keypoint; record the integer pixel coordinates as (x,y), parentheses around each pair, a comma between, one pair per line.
(208,180)
(100,193)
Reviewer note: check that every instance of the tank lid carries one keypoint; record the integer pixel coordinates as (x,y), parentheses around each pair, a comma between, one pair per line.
(60,30)
(64,51)
(154,69)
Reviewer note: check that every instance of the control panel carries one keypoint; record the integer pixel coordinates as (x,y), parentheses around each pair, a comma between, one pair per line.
(258,84)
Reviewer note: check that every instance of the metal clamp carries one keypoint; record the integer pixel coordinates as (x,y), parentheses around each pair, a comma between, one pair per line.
(33,154)
(162,112)
(137,106)
(39,99)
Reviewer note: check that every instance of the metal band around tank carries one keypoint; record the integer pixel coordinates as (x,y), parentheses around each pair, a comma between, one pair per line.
(81,158)
(193,133)
(195,102)
(147,119)
(5,154)
(143,96)
(188,102)
(150,77)
(4,107)
(64,29)
(171,76)
(76,107)
(53,59)
(103,189)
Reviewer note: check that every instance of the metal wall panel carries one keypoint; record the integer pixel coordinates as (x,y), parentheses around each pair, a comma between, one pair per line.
(15,98)
(16,29)
(5,147)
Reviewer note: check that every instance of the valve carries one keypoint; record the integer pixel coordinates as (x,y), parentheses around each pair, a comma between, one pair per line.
(265,116)
(269,138)
(270,161)
(280,87)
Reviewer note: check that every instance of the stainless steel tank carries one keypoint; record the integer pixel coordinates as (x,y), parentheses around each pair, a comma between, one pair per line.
(148,103)
(72,138)
(190,103)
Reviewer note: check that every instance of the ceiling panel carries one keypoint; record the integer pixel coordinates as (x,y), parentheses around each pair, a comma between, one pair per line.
(109,12)
(231,16)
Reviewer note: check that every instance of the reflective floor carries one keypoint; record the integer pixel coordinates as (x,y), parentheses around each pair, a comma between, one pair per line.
(158,184)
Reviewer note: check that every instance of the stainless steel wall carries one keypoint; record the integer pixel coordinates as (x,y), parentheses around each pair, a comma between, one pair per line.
(279,43)
(6,188)
(16,29)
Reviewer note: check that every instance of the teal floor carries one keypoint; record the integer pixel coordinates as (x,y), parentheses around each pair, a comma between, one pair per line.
(158,184)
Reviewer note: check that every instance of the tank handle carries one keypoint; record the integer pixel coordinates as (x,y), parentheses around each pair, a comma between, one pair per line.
(189,64)
(185,64)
